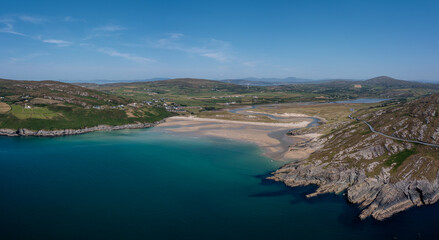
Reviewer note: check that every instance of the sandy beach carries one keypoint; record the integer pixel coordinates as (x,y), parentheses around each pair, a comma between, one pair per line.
(270,137)
(298,124)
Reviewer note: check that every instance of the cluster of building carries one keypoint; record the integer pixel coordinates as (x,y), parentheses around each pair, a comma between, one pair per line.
(170,107)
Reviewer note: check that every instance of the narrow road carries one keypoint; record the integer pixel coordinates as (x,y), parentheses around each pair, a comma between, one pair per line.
(392,137)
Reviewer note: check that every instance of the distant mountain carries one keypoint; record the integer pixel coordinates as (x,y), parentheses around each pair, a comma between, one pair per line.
(252,81)
(180,82)
(181,86)
(386,81)
(105,81)
(249,82)
(287,79)
(381,87)
(381,81)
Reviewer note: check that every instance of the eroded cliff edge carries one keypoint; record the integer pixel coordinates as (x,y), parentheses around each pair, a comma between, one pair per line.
(384,176)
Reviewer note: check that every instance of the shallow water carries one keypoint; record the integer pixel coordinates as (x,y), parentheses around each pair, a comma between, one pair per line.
(145,184)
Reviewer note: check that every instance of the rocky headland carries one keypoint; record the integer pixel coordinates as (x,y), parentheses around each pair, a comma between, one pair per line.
(383,176)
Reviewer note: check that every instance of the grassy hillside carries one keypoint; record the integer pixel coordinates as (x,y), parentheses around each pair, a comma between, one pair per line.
(55,105)
(55,92)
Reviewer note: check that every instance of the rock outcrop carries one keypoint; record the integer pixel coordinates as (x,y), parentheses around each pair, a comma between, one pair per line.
(379,197)
(384,176)
(66,132)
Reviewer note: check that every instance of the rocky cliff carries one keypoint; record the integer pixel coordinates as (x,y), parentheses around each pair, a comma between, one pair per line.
(382,175)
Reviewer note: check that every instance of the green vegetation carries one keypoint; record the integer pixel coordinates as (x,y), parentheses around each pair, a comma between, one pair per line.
(74,118)
(214,95)
(54,105)
(399,158)
(35,112)
(13,91)
(365,132)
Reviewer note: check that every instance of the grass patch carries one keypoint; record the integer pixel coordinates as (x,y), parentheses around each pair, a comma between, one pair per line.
(365,132)
(71,117)
(399,158)
(34,112)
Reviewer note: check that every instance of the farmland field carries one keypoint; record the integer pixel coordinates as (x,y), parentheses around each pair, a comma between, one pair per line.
(4,107)
(35,112)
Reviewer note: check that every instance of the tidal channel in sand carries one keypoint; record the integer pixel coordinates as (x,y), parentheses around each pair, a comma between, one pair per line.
(271,137)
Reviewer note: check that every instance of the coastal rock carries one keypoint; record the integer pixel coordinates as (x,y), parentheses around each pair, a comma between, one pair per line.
(381,174)
(379,197)
(66,132)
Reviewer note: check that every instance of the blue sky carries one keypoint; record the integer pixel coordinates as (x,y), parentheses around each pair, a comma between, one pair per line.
(122,40)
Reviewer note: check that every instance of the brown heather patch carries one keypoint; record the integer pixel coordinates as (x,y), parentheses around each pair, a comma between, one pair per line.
(4,108)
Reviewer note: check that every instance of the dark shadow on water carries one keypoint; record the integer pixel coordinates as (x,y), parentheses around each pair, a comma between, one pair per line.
(264,180)
(271,194)
(297,193)
(348,217)
(414,223)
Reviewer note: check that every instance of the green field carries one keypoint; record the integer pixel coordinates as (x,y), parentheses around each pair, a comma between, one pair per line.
(35,112)
(71,117)
(212,95)
(58,105)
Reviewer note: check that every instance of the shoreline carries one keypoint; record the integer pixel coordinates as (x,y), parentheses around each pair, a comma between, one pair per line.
(24,132)
(300,124)
(270,137)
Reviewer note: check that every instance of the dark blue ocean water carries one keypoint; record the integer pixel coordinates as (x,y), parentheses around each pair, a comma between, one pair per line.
(145,184)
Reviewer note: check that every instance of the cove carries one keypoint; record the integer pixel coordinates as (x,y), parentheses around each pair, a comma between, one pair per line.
(148,184)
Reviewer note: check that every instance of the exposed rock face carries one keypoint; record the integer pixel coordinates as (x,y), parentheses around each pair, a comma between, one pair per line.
(382,175)
(377,195)
(65,132)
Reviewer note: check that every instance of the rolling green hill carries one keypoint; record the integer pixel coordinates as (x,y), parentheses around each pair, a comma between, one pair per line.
(219,94)
(53,105)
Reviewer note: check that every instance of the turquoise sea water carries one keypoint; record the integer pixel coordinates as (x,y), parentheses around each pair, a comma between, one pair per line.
(145,184)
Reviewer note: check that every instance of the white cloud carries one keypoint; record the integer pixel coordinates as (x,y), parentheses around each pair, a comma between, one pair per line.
(127,56)
(8,27)
(214,49)
(30,19)
(215,55)
(176,35)
(59,43)
(8,23)
(28,57)
(110,28)
(71,19)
